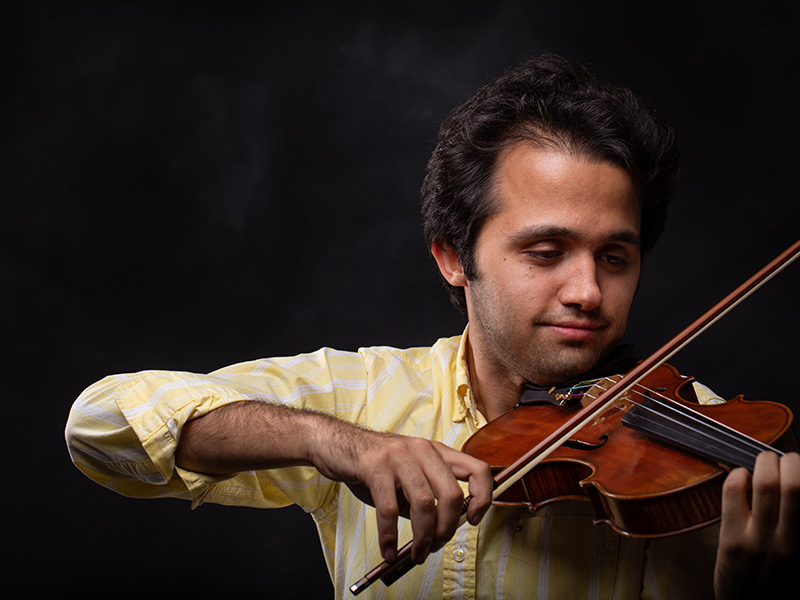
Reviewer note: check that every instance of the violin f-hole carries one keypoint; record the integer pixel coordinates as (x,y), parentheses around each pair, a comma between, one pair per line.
(585,446)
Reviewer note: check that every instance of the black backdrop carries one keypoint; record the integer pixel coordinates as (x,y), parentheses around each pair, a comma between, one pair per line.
(186,187)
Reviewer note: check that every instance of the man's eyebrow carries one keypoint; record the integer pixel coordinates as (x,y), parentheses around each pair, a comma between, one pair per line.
(627,237)
(538,232)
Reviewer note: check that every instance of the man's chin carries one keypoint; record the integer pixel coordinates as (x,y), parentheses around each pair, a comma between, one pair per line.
(566,367)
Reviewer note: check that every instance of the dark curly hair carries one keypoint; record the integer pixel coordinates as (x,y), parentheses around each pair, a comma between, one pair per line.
(554,103)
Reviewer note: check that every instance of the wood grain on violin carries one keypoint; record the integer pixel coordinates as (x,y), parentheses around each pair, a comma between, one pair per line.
(639,486)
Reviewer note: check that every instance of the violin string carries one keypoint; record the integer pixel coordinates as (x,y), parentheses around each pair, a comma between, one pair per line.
(738,441)
(689,436)
(704,420)
(701,420)
(714,442)
(574,393)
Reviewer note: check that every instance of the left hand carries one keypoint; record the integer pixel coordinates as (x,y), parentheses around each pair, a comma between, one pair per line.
(758,541)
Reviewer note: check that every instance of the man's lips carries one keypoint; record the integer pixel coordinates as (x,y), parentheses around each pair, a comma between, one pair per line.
(574,330)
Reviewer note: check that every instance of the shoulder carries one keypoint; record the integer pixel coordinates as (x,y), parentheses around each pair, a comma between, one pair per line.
(443,351)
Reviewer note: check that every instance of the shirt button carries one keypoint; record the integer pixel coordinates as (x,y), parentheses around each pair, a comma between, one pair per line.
(459,554)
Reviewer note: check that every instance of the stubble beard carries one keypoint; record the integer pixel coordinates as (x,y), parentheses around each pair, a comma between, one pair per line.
(523,350)
(536,361)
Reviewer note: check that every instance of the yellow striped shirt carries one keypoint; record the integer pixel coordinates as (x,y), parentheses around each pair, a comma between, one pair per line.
(123,431)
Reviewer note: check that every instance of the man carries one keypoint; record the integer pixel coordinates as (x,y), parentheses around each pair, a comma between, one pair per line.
(543,192)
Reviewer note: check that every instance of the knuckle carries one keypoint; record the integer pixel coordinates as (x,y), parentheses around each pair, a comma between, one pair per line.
(402,449)
(425,501)
(736,482)
(766,481)
(792,487)
(453,497)
(387,509)
(387,538)
(419,445)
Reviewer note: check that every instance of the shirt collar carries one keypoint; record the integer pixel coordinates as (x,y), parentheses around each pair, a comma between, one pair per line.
(466,400)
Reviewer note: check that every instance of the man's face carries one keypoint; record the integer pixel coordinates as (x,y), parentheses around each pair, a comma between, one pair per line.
(557,266)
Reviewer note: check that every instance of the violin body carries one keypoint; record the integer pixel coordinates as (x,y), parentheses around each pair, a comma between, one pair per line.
(639,486)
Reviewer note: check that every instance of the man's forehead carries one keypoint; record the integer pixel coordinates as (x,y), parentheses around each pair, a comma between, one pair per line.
(541,192)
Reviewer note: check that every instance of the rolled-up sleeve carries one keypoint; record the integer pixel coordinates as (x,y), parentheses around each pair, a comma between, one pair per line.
(123,431)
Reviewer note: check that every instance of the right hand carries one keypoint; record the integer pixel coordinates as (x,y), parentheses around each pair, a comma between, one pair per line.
(398,475)
(411,477)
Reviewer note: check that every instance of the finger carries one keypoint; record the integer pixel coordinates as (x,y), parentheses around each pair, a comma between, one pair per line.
(735,503)
(481,488)
(449,499)
(766,494)
(480,483)
(384,498)
(789,516)
(422,510)
(436,500)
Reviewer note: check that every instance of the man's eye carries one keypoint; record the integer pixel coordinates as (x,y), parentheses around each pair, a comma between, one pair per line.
(615,261)
(544,254)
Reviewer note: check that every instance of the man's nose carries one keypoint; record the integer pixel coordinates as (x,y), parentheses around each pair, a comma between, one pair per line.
(581,287)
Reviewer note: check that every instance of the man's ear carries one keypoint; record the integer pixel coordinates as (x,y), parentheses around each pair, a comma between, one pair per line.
(449,265)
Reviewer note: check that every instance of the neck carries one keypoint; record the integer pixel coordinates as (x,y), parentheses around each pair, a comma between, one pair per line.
(495,391)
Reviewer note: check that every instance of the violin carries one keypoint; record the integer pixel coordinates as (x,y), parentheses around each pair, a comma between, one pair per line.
(650,461)
(638,446)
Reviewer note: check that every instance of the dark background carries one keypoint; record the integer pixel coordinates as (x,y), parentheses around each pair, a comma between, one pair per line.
(185,187)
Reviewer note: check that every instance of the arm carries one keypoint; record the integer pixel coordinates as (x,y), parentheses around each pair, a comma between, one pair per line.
(758,544)
(398,475)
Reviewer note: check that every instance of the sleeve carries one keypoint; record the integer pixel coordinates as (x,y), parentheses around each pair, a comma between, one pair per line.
(123,431)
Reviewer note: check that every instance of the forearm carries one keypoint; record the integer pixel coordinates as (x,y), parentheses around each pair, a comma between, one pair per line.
(412,477)
(250,436)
